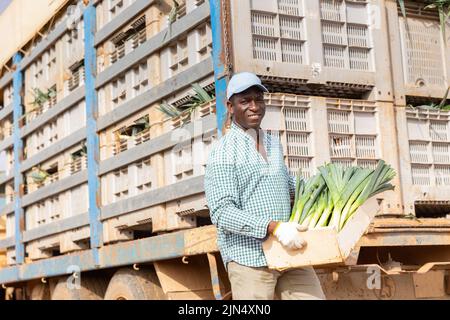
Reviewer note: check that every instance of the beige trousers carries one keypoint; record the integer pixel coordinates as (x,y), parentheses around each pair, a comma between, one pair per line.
(249,283)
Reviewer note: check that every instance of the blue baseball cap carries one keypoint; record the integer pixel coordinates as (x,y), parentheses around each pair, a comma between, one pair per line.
(242,81)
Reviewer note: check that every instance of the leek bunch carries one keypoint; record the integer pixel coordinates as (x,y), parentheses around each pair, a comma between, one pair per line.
(332,196)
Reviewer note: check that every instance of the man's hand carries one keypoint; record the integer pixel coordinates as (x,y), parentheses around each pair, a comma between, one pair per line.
(288,233)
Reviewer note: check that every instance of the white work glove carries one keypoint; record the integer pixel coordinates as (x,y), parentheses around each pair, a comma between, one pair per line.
(288,233)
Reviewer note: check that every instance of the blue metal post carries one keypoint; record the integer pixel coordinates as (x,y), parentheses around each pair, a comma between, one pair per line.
(219,57)
(19,222)
(90,63)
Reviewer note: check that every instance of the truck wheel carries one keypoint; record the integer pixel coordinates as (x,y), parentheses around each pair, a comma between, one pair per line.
(130,284)
(91,288)
(40,291)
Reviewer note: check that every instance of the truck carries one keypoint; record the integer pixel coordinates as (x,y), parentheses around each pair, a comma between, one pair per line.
(109,109)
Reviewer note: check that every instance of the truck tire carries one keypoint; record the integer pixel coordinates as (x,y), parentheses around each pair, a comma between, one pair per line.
(40,291)
(130,284)
(91,288)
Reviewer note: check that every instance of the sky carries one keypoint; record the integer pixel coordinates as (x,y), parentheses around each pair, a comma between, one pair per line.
(4,4)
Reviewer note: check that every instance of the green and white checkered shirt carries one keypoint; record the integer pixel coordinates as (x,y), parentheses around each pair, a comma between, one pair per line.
(244,193)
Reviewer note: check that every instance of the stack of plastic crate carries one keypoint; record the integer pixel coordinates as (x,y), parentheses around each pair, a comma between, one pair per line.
(60,196)
(7,126)
(420,56)
(331,43)
(420,59)
(134,130)
(144,63)
(424,143)
(53,132)
(7,214)
(358,132)
(2,236)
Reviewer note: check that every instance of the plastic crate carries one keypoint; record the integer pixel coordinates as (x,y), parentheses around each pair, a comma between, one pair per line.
(73,44)
(56,129)
(44,137)
(181,53)
(8,95)
(2,236)
(353,133)
(289,117)
(188,159)
(128,181)
(10,231)
(43,248)
(9,193)
(122,228)
(186,51)
(119,137)
(184,97)
(124,41)
(9,166)
(10,256)
(107,10)
(43,73)
(357,132)
(134,179)
(125,138)
(125,87)
(186,117)
(74,77)
(6,128)
(56,208)
(318,41)
(77,203)
(44,212)
(174,215)
(59,167)
(423,54)
(424,141)
(10,223)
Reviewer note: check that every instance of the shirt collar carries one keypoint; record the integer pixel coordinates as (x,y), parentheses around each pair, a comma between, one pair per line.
(242,132)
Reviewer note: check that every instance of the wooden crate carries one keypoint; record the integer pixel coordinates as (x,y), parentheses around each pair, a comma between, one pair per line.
(325,246)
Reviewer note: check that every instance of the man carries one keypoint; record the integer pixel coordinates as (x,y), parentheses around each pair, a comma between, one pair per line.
(249,192)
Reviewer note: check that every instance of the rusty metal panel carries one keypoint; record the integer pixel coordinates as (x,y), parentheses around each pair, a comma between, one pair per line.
(430,284)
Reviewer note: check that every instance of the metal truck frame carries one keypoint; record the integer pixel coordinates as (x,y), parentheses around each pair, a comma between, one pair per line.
(194,252)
